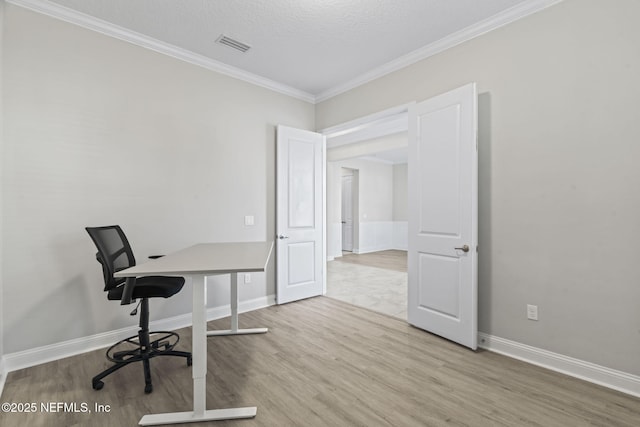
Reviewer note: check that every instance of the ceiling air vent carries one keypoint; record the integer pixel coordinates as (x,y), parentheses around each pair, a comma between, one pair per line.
(235,44)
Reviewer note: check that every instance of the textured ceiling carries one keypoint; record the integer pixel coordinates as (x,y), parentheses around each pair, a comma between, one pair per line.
(310,45)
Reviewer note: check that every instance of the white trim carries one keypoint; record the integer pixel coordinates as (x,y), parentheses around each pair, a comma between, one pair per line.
(400,236)
(3,374)
(92,23)
(611,378)
(375,159)
(325,248)
(365,122)
(377,129)
(506,17)
(48,353)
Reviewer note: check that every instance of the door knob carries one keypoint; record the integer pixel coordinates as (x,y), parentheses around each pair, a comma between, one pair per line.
(464,248)
(281,236)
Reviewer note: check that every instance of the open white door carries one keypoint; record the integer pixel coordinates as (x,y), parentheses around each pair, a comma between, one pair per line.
(443,215)
(299,214)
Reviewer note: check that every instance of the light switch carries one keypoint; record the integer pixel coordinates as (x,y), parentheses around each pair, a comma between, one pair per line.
(248,220)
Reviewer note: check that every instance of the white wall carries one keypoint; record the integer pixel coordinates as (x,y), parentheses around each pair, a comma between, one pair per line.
(2,373)
(389,233)
(333,212)
(400,187)
(400,206)
(558,166)
(366,147)
(559,206)
(374,207)
(99,131)
(374,221)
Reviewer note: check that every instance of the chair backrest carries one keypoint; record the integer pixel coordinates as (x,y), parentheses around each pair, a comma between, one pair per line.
(114,252)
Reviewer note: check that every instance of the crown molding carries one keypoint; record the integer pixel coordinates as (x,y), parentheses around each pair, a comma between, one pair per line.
(519,11)
(92,23)
(57,11)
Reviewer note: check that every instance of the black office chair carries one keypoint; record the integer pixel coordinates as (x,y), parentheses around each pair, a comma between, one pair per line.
(115,254)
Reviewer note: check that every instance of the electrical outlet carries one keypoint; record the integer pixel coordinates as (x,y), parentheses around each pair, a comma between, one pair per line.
(249,220)
(532,312)
(247,277)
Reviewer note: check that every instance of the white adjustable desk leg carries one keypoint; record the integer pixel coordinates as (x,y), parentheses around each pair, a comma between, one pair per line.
(199,371)
(199,352)
(234,315)
(234,302)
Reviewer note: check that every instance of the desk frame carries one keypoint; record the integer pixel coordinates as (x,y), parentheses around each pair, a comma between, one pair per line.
(199,347)
(234,315)
(199,355)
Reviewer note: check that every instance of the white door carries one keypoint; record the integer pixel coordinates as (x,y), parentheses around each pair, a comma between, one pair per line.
(443,211)
(299,214)
(347,213)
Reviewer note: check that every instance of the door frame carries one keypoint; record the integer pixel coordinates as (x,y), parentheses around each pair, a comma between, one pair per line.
(348,202)
(382,123)
(386,122)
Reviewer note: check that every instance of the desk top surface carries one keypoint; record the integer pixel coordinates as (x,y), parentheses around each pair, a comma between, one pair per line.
(206,258)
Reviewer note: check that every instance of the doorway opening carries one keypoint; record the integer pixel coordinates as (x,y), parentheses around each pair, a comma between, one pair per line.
(442,194)
(366,200)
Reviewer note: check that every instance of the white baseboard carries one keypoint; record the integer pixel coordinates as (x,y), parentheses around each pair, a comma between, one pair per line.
(611,378)
(374,237)
(377,249)
(369,249)
(48,353)
(3,374)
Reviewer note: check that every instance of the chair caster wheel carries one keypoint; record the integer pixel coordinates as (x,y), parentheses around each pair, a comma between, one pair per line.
(97,385)
(148,388)
(189,361)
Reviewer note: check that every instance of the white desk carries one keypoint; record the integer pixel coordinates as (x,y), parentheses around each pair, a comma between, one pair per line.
(198,262)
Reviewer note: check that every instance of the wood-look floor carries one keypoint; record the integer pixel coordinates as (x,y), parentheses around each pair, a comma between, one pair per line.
(390,259)
(327,363)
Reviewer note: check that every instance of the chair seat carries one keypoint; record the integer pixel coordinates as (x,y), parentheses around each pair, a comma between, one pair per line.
(151,287)
(115,254)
